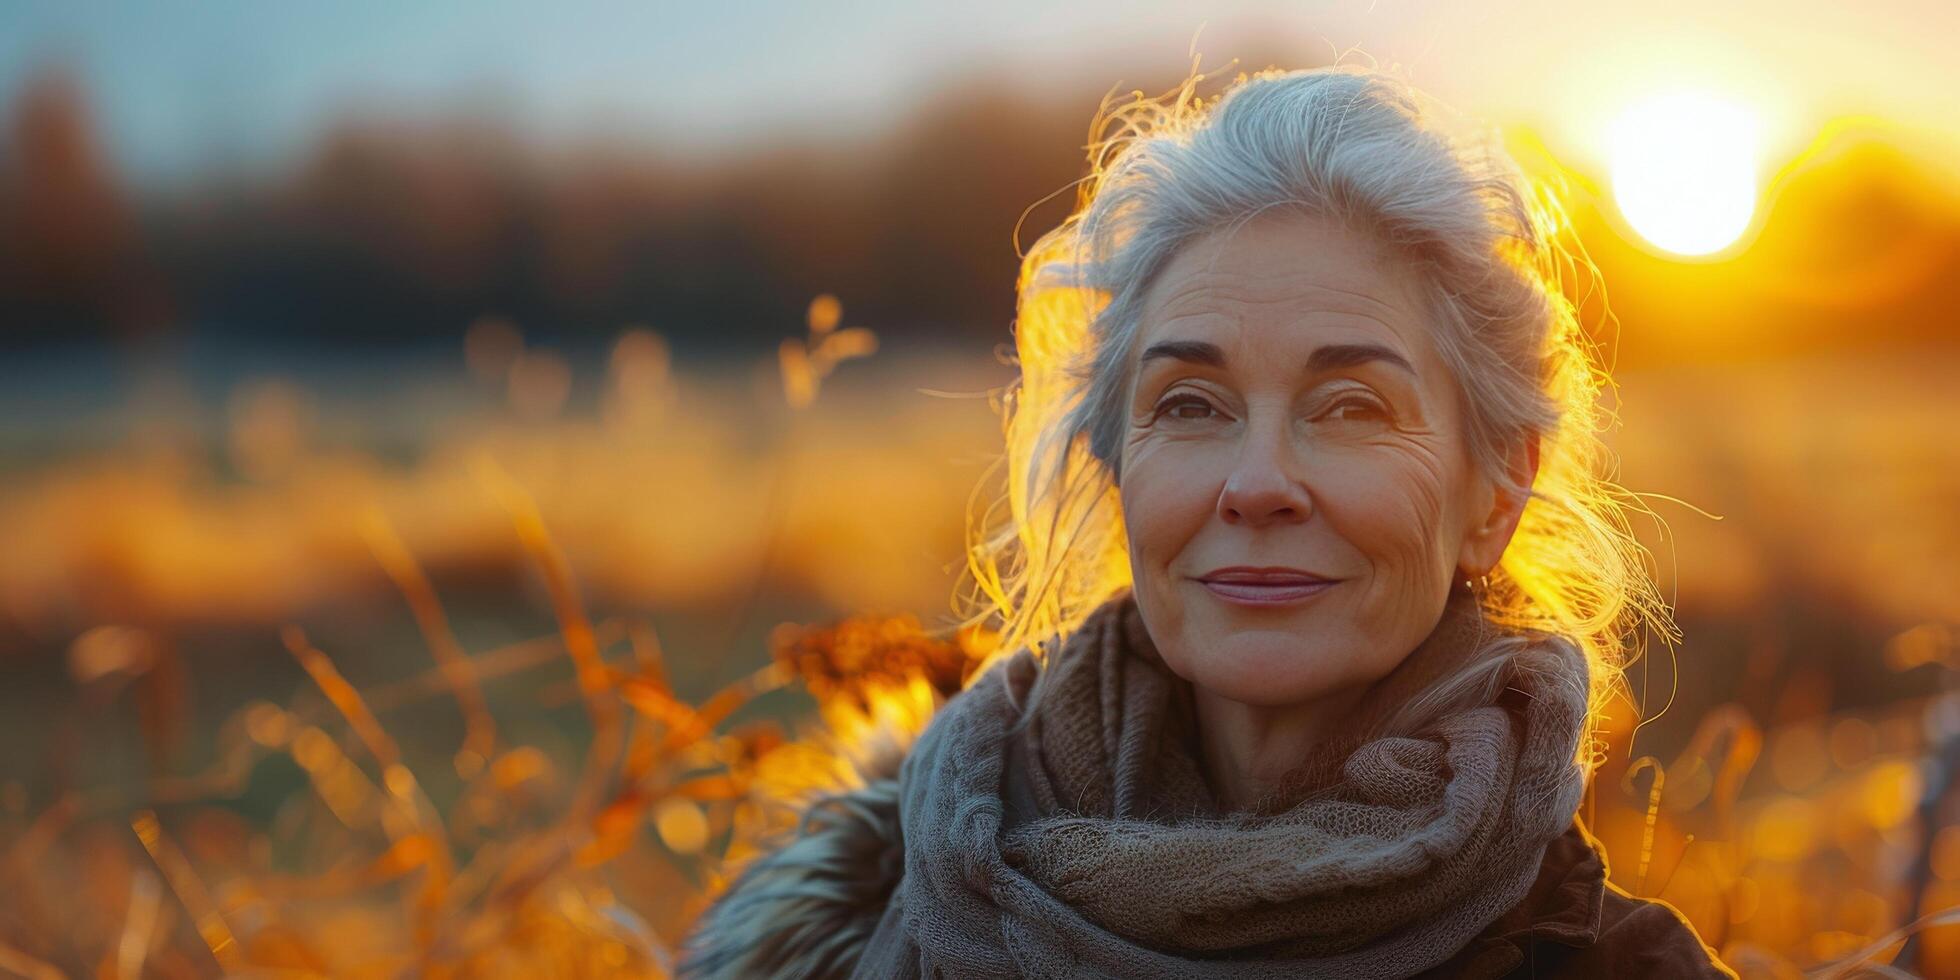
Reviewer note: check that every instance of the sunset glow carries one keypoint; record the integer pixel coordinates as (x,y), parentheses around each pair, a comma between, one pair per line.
(1683,168)
(478,502)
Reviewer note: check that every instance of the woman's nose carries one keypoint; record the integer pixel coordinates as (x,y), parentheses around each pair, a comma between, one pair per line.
(1262,487)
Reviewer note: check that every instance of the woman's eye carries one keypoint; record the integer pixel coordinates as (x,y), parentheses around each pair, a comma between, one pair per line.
(1177,408)
(1356,409)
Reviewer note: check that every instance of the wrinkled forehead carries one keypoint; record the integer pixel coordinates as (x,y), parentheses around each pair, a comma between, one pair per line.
(1285,280)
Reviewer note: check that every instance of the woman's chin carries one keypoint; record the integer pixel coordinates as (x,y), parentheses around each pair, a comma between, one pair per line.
(1266,679)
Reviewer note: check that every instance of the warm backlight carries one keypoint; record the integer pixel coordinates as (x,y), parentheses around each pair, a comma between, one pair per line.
(1683,170)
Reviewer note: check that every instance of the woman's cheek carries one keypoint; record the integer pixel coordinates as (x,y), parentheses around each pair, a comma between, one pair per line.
(1387,511)
(1163,495)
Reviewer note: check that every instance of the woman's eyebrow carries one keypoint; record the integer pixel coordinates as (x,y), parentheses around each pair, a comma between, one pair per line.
(1195,351)
(1323,359)
(1347,355)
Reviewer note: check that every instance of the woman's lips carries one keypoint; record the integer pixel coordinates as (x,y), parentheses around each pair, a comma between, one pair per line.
(1252,594)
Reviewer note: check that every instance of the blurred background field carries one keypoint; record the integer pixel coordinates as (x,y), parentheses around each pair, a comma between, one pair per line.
(457,490)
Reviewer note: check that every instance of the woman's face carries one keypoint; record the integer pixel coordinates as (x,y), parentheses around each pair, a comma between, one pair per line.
(1289,414)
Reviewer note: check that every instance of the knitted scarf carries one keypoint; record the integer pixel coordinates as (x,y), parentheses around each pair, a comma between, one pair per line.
(1089,843)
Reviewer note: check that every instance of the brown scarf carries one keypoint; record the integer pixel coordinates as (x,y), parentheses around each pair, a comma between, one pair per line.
(1091,844)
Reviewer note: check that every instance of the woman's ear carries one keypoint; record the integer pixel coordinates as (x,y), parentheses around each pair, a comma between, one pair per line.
(1485,541)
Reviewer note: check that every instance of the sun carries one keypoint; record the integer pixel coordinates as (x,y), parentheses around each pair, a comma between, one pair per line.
(1683,169)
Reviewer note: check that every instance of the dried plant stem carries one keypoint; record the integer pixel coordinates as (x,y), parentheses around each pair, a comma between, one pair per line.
(1652,815)
(15,961)
(403,788)
(480,729)
(594,680)
(138,926)
(211,925)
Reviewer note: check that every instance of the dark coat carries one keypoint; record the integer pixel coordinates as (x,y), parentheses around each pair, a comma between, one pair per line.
(807,909)
(1575,923)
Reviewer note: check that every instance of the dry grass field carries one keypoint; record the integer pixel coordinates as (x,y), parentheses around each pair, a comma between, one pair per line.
(294,688)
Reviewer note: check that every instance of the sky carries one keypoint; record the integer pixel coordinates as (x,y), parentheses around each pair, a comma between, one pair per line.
(180,86)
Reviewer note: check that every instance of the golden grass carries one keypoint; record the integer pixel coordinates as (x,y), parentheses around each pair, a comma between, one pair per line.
(1791,839)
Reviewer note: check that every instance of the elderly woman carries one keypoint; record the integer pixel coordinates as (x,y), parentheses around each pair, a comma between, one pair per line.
(1314,592)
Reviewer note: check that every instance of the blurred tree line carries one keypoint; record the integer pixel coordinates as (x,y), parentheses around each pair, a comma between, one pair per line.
(388,230)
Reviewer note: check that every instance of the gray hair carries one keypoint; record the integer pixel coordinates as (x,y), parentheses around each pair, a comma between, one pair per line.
(1341,144)
(1368,150)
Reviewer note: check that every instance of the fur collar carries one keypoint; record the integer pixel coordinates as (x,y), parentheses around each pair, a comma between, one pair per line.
(808,908)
